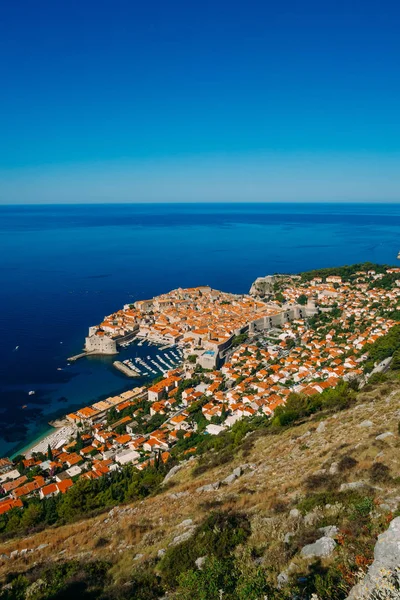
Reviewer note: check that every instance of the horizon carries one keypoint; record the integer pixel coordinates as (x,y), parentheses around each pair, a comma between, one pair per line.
(209,203)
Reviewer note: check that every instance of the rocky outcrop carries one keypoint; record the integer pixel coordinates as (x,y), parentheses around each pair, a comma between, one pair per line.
(209,487)
(263,286)
(385,568)
(171,473)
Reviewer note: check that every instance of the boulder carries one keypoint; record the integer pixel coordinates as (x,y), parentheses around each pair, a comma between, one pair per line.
(295,513)
(282,579)
(230,479)
(353,485)
(333,469)
(322,548)
(386,561)
(385,435)
(210,487)
(366,423)
(161,552)
(186,523)
(42,547)
(237,472)
(177,495)
(321,427)
(183,537)
(171,473)
(199,562)
(329,531)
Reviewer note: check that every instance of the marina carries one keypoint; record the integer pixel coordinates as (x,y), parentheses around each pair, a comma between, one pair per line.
(150,366)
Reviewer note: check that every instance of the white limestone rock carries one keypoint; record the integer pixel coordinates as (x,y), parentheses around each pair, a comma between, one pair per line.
(322,548)
(385,435)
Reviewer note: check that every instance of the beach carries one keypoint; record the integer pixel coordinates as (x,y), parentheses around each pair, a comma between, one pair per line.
(54,437)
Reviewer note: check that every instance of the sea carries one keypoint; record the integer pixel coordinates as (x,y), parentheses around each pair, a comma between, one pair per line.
(64,267)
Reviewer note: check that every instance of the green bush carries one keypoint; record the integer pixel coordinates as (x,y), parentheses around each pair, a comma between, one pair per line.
(363,507)
(218,536)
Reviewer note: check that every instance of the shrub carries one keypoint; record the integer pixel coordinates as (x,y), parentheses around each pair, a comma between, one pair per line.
(321,480)
(363,507)
(379,473)
(218,536)
(144,584)
(346,463)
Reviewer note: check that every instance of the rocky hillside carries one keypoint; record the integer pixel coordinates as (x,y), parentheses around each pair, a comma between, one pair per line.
(286,513)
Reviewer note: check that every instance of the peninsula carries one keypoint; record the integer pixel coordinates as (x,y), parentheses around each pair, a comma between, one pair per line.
(243,358)
(204,321)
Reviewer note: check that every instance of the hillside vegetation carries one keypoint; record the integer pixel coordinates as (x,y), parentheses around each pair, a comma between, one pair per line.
(233,521)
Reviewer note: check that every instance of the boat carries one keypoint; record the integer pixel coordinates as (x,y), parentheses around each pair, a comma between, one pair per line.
(16,348)
(25,406)
(59,369)
(31,393)
(398,256)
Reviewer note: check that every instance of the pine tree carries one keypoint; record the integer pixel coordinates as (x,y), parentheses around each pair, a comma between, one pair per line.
(49,453)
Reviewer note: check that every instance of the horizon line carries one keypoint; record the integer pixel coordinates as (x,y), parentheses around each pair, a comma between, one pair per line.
(204,202)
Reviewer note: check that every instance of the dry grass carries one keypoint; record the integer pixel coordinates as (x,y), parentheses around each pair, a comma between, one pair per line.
(281,468)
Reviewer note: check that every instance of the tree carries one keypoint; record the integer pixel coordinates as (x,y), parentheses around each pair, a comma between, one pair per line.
(279,297)
(49,453)
(192,358)
(302,299)
(32,515)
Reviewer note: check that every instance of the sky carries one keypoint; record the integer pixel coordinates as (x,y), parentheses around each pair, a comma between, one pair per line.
(129,101)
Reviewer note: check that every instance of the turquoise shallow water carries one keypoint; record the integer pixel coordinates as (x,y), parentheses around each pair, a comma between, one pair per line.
(64,267)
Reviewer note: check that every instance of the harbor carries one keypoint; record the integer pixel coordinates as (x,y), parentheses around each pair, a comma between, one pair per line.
(168,357)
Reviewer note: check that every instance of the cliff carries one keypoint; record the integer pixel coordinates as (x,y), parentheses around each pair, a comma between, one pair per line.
(263,286)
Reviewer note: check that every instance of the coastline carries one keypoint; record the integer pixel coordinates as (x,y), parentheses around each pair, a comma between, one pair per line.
(52,435)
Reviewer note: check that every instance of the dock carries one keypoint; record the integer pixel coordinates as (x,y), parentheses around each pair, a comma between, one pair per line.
(125,370)
(81,355)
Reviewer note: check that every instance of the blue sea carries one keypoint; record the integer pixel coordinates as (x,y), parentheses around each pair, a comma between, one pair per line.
(63,268)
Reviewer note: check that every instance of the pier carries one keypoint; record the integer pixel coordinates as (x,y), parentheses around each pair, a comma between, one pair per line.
(81,355)
(125,370)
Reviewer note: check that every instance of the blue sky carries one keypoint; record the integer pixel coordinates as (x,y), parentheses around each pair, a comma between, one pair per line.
(190,101)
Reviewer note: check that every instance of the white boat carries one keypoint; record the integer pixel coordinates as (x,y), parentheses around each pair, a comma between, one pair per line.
(16,348)
(31,393)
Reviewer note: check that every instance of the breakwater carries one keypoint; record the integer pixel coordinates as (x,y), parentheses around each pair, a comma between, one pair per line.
(125,370)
